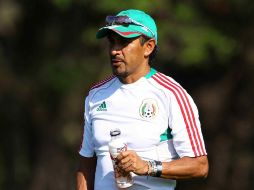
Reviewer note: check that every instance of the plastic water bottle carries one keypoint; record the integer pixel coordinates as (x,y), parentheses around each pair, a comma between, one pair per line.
(117,145)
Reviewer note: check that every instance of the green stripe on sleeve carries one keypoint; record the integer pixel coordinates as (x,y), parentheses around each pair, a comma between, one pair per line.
(166,135)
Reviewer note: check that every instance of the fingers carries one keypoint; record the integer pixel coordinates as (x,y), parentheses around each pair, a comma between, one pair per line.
(125,154)
(128,166)
(129,161)
(128,156)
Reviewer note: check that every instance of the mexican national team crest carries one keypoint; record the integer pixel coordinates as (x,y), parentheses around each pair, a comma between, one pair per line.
(148,108)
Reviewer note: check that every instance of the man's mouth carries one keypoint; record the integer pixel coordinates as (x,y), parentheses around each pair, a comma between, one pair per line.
(116,62)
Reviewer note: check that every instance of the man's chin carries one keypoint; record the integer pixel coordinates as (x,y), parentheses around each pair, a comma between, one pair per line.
(120,74)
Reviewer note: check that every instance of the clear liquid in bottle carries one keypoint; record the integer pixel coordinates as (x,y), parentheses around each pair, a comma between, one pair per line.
(117,145)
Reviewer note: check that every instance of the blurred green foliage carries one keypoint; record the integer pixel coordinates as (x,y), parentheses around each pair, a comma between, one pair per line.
(62,4)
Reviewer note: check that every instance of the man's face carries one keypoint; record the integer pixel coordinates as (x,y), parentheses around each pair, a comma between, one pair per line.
(126,55)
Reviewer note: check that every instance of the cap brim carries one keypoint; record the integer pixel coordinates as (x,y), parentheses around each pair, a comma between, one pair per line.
(127,32)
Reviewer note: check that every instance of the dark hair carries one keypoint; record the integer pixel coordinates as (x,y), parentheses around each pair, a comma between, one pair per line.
(143,40)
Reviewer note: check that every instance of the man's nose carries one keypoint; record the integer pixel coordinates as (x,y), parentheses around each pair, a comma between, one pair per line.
(115,49)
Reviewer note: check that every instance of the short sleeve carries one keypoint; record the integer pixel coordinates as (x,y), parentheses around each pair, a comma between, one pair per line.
(87,145)
(185,125)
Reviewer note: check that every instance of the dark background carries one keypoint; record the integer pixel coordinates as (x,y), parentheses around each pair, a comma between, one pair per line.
(49,58)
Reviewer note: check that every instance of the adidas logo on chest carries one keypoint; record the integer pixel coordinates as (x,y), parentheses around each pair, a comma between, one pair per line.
(102,107)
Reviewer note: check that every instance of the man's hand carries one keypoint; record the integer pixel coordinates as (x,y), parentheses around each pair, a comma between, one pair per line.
(129,161)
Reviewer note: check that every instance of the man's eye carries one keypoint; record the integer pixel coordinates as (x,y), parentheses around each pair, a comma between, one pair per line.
(125,41)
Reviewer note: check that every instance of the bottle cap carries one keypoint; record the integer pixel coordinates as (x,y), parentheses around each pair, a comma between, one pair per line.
(115,132)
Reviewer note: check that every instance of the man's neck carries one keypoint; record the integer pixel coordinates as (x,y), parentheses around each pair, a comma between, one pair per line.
(135,76)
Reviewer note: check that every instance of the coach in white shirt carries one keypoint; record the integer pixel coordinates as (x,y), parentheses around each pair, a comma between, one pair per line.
(157,117)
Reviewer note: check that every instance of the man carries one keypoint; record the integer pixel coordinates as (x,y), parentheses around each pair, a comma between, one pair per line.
(156,116)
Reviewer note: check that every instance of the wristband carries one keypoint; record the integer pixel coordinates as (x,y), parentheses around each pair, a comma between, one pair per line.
(159,168)
(156,167)
(153,168)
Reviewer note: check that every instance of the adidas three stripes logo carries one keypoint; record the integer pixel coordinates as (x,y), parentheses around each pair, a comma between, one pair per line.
(102,107)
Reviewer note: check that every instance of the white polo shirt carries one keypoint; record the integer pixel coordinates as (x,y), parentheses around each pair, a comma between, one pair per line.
(157,118)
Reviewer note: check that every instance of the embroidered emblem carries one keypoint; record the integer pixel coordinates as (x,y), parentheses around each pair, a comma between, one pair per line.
(102,107)
(148,108)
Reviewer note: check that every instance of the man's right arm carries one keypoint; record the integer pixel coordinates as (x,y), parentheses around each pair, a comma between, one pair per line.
(86,173)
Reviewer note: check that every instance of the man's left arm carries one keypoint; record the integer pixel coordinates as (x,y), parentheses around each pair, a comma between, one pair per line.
(186,168)
(182,168)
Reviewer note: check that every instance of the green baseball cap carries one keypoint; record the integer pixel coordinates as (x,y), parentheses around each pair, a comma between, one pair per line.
(129,24)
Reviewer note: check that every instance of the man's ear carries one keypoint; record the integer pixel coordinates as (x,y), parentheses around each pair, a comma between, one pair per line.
(149,47)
